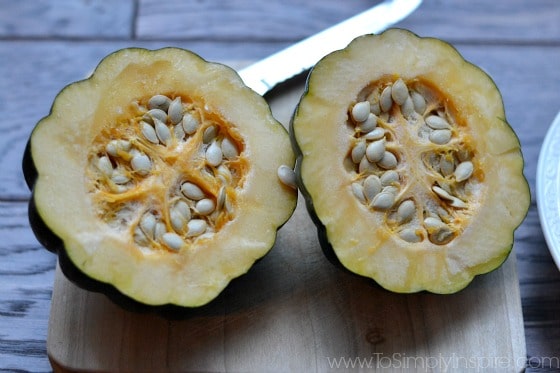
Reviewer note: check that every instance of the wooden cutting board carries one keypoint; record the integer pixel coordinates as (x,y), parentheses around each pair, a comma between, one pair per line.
(294,311)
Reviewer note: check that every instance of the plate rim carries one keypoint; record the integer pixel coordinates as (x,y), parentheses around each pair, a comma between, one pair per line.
(547,188)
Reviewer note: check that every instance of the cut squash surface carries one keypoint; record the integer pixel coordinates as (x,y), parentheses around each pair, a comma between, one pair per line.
(408,164)
(158,176)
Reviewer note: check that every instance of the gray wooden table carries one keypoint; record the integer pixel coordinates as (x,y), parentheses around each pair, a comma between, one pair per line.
(45,45)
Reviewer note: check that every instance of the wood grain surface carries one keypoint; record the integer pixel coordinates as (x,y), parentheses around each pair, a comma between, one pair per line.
(45,45)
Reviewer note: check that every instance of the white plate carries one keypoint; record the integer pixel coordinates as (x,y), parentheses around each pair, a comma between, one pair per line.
(548,188)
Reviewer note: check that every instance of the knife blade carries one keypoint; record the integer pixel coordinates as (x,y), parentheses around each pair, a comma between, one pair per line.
(263,75)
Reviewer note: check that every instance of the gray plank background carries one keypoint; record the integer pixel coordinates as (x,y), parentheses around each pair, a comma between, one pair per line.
(45,45)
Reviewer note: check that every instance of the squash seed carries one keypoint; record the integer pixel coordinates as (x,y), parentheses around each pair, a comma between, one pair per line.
(172,240)
(419,102)
(390,177)
(375,108)
(178,132)
(114,147)
(383,201)
(369,124)
(154,114)
(373,99)
(407,109)
(159,102)
(360,111)
(149,132)
(443,214)
(190,123)
(458,203)
(214,154)
(463,171)
(209,134)
(388,161)
(105,166)
(399,92)
(183,208)
(124,145)
(372,187)
(287,176)
(178,221)
(159,230)
(366,166)
(196,227)
(175,111)
(139,237)
(221,199)
(205,206)
(192,191)
(442,193)
(440,137)
(432,224)
(358,191)
(358,151)
(394,190)
(406,211)
(410,235)
(162,132)
(148,224)
(224,173)
(141,163)
(119,178)
(442,235)
(385,100)
(375,151)
(228,206)
(454,201)
(376,134)
(229,149)
(437,123)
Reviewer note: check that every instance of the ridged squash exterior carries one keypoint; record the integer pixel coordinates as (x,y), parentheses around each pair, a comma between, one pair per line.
(407,163)
(155,179)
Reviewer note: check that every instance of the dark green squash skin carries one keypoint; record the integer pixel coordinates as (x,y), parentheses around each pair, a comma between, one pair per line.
(50,241)
(324,242)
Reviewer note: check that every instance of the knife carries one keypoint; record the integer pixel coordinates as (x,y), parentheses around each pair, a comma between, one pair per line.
(263,75)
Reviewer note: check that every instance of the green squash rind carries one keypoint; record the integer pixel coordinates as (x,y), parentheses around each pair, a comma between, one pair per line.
(323,234)
(52,242)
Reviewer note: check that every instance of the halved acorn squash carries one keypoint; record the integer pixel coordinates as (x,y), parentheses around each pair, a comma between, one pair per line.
(407,163)
(155,180)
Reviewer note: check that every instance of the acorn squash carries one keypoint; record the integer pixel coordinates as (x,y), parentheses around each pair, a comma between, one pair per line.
(407,163)
(155,179)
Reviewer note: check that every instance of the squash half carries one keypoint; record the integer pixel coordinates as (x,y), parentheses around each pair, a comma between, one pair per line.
(155,179)
(407,163)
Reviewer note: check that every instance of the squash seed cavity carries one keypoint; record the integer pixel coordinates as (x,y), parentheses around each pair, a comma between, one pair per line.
(168,173)
(410,160)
